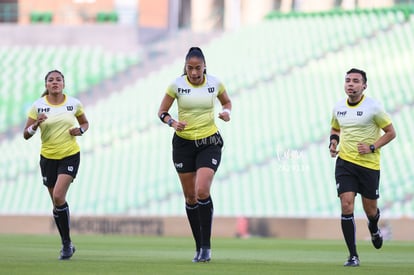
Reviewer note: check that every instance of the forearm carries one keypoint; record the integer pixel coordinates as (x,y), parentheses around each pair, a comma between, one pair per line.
(389,134)
(333,142)
(164,108)
(334,138)
(165,117)
(335,131)
(30,130)
(84,126)
(384,139)
(227,106)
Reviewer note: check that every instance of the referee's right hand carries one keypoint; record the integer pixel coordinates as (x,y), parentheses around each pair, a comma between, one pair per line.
(332,149)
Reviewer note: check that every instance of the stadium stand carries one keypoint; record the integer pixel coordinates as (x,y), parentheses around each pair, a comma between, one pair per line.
(83,66)
(283,76)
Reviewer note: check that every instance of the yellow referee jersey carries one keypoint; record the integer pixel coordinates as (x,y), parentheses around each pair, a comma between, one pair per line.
(360,123)
(196,105)
(57,143)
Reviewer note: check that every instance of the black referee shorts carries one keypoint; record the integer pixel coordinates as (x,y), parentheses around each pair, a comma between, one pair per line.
(351,177)
(51,168)
(189,155)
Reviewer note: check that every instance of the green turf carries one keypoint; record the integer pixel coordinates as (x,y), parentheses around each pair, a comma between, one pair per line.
(156,255)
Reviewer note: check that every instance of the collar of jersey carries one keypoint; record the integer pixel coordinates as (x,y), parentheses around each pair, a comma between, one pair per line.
(63,102)
(192,85)
(356,105)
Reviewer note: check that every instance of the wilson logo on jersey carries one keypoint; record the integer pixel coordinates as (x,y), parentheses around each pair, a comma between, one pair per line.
(211,90)
(69,108)
(184,91)
(43,110)
(359,113)
(340,114)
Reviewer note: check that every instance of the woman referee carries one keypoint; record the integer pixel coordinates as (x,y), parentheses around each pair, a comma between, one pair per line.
(56,114)
(196,143)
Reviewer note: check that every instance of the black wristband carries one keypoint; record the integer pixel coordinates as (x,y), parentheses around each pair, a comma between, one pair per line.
(335,137)
(163,115)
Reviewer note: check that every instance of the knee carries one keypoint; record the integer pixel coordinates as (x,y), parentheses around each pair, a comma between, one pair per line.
(347,206)
(371,212)
(347,202)
(203,191)
(203,194)
(58,200)
(191,199)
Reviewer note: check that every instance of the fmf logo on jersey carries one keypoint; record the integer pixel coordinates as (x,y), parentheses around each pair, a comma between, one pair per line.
(211,90)
(184,91)
(43,110)
(340,114)
(359,113)
(69,108)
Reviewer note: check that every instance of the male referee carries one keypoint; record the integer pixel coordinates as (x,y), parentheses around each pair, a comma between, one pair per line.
(356,123)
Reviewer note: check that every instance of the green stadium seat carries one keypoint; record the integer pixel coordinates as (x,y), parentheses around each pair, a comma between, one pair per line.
(83,67)
(275,160)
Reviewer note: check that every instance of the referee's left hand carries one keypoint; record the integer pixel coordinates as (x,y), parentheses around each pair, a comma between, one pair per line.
(224,116)
(75,132)
(363,148)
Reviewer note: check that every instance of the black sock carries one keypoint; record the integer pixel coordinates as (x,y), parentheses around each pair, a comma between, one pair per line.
(56,217)
(373,222)
(206,221)
(348,229)
(63,218)
(194,220)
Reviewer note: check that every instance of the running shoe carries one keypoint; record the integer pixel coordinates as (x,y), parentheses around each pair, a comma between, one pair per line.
(352,261)
(196,256)
(205,255)
(67,252)
(376,239)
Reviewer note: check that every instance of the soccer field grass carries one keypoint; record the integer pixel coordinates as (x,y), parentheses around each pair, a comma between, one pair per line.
(161,255)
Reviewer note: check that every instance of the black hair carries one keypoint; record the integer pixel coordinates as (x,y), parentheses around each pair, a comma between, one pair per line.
(47,75)
(195,52)
(358,71)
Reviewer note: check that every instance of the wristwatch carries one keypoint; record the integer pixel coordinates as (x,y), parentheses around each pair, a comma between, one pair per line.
(81,130)
(372,148)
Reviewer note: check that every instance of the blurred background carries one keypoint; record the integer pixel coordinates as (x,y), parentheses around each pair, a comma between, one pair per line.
(283,63)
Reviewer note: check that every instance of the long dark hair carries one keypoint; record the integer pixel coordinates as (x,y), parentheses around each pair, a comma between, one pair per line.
(195,52)
(46,92)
